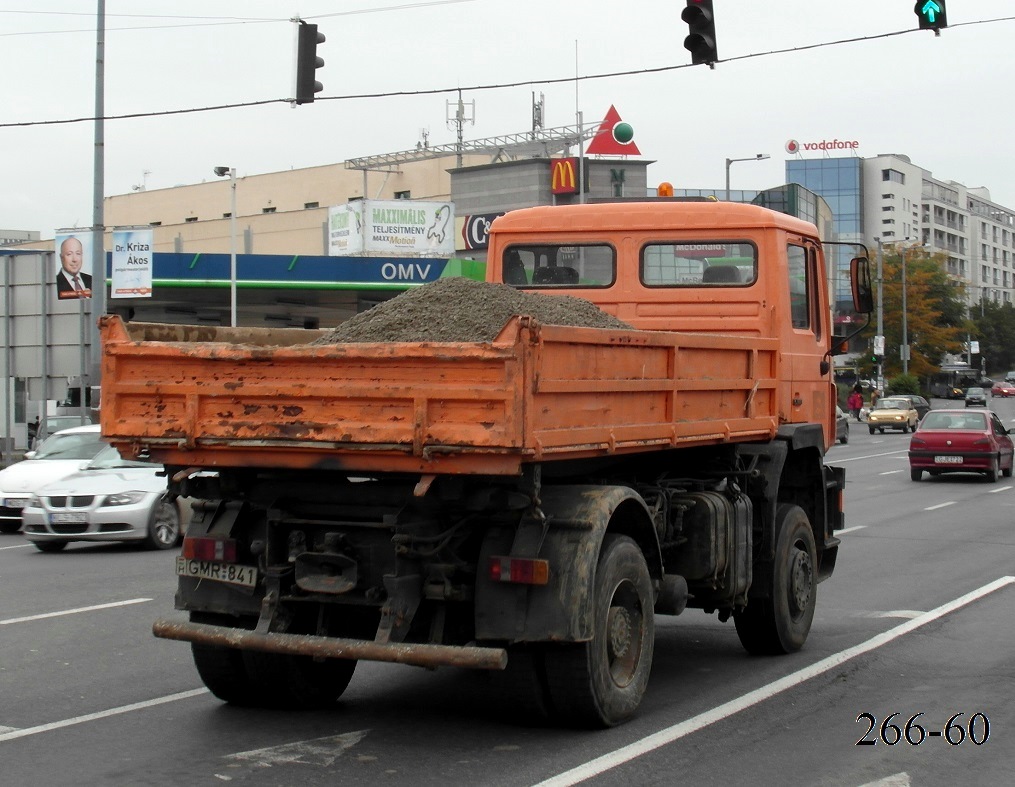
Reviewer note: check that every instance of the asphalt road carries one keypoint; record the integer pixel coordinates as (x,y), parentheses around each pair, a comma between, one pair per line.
(916,620)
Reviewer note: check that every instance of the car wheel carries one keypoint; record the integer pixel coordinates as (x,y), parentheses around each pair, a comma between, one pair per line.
(1006,471)
(164,525)
(915,473)
(871,429)
(993,471)
(905,428)
(881,429)
(844,439)
(51,546)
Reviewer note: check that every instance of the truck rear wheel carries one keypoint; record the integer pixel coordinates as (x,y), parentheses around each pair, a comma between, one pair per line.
(600,683)
(297,682)
(222,669)
(781,622)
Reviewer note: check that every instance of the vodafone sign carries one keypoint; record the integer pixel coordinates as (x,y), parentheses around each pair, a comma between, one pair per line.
(793,147)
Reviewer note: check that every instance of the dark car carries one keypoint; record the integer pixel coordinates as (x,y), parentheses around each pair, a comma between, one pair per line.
(954,441)
(976,397)
(841,426)
(921,405)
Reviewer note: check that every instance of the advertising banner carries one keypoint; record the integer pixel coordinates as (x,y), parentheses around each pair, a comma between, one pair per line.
(345,229)
(408,227)
(132,264)
(73,259)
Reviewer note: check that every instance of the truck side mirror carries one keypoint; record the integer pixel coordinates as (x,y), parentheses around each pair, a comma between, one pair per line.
(860,277)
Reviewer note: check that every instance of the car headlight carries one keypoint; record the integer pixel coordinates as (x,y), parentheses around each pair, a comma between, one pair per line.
(33,502)
(124,498)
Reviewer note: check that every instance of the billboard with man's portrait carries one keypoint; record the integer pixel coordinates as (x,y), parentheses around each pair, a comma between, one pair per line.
(73,261)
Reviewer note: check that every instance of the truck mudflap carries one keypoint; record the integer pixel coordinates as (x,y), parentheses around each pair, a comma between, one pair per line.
(419,655)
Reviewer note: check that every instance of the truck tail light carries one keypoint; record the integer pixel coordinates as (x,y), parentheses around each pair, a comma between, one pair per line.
(525,571)
(222,550)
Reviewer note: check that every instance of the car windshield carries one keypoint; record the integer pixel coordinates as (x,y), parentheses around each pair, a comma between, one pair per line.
(968,421)
(974,392)
(892,404)
(109,458)
(73,445)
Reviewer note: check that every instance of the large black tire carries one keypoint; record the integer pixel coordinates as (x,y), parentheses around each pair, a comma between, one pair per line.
(522,685)
(51,546)
(781,622)
(297,682)
(915,473)
(993,471)
(164,525)
(871,428)
(222,670)
(600,683)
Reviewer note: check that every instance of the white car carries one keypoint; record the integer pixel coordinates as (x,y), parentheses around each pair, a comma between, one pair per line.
(59,455)
(110,499)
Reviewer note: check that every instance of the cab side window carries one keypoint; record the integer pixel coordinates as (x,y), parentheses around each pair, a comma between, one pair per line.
(799,287)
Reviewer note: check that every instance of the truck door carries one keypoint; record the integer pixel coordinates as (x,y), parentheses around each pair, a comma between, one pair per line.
(804,345)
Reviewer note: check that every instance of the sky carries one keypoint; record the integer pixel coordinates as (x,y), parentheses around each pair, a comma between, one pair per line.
(805,70)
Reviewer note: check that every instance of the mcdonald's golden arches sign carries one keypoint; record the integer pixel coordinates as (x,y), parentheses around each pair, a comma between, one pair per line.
(564,175)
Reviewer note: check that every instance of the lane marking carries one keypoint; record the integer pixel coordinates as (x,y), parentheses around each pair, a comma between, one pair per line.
(999,489)
(850,529)
(666,736)
(868,456)
(102,714)
(891,472)
(898,613)
(61,613)
(16,546)
(316,751)
(896,780)
(940,505)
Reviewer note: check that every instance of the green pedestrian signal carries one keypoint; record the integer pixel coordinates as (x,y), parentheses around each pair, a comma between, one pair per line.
(932,14)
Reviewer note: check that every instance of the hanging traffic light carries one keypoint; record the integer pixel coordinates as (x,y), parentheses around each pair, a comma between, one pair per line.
(932,14)
(307,63)
(700,42)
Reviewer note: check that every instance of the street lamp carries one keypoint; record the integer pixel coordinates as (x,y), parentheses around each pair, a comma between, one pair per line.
(758,157)
(231,172)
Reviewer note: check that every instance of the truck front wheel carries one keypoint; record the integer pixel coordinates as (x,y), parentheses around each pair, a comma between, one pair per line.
(780,623)
(600,683)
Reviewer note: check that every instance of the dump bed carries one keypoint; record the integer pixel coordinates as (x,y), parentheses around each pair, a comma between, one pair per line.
(221,397)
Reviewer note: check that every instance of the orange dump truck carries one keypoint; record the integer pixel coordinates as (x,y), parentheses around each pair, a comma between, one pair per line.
(527,504)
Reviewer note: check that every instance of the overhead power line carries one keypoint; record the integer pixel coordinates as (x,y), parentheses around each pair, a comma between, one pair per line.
(498,86)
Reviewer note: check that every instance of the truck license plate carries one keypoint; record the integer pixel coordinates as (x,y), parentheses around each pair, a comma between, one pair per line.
(231,573)
(948,460)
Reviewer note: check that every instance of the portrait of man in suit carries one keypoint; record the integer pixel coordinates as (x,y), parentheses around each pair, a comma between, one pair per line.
(70,281)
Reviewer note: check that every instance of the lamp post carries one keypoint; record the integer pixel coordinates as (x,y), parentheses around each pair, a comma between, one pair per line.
(881,315)
(231,172)
(729,161)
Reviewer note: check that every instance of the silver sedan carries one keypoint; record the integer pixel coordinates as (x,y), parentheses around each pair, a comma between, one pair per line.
(111,499)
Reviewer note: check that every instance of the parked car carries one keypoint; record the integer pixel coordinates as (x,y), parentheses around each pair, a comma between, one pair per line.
(921,405)
(54,424)
(954,441)
(892,412)
(841,426)
(1003,389)
(59,455)
(110,499)
(976,397)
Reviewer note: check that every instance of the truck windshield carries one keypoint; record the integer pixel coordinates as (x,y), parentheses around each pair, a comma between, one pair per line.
(699,264)
(574,267)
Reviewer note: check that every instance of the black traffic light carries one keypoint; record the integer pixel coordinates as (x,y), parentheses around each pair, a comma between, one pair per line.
(307,63)
(700,18)
(932,14)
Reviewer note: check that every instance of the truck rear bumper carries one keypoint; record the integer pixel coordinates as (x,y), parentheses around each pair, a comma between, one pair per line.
(331,647)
